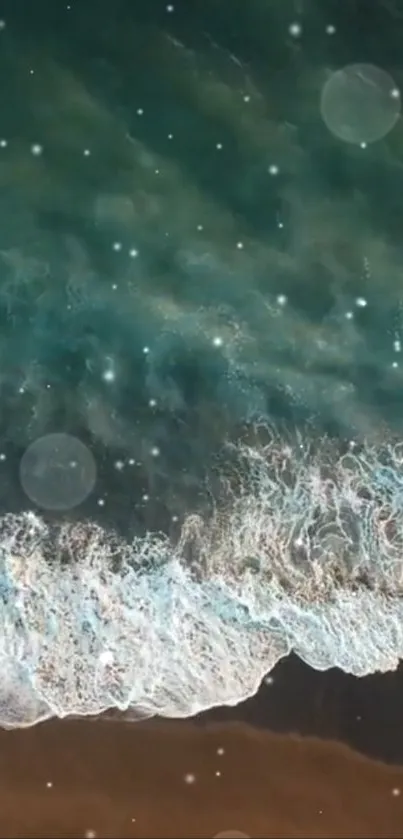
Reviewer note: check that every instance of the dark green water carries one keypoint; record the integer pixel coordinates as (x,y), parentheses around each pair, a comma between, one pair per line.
(157,132)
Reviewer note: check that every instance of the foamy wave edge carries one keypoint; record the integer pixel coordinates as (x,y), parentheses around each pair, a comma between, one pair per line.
(303,552)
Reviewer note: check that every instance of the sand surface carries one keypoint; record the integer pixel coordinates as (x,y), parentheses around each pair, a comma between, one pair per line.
(163,779)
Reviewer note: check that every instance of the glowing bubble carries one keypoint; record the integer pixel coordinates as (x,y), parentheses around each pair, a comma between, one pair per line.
(57,472)
(360,103)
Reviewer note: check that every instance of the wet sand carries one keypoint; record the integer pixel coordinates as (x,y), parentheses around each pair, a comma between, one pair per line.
(168,779)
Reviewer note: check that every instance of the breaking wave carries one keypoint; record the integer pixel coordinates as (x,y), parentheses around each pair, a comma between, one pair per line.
(302,551)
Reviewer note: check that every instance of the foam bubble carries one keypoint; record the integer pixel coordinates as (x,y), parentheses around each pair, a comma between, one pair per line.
(57,472)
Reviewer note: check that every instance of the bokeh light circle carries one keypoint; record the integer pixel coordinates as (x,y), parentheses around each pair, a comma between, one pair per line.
(360,103)
(57,472)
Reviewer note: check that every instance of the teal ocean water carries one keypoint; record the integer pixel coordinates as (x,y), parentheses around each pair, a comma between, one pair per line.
(200,350)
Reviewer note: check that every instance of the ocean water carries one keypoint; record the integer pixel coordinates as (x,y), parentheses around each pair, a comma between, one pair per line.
(201,322)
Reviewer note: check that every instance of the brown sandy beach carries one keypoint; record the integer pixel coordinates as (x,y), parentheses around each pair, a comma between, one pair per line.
(169,779)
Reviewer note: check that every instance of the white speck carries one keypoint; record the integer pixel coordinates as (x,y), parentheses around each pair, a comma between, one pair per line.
(145,497)
(395,364)
(363,145)
(218,773)
(199,227)
(280,224)
(117,246)
(397,345)
(220,751)
(349,315)
(217,341)
(49,784)
(108,376)
(3,457)
(273,169)
(239,245)
(3,144)
(90,834)
(246,98)
(170,136)
(268,680)
(119,465)
(219,146)
(295,29)
(106,657)
(157,171)
(170,9)
(131,461)
(152,403)
(361,301)
(395,93)
(36,149)
(114,286)
(189,778)
(330,29)
(133,253)
(101,502)
(155,451)
(86,152)
(21,390)
(396,791)
(2,24)
(146,350)
(281,299)
(174,518)
(140,112)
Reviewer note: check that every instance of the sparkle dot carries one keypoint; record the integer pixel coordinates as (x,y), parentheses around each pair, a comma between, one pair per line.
(2,24)
(330,29)
(49,784)
(152,403)
(170,136)
(220,751)
(86,152)
(281,299)
(140,112)
(108,376)
(101,502)
(295,29)
(397,346)
(36,149)
(246,98)
(146,350)
(219,146)
(396,791)
(239,245)
(3,144)
(119,465)
(395,93)
(170,9)
(199,227)
(361,302)
(273,170)
(133,253)
(155,451)
(218,773)
(117,246)
(145,497)
(3,457)
(217,341)
(189,778)
(349,315)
